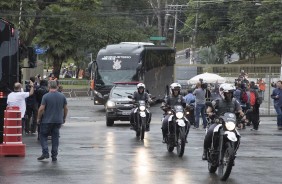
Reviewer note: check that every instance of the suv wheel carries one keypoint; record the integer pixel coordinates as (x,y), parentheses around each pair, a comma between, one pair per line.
(109,122)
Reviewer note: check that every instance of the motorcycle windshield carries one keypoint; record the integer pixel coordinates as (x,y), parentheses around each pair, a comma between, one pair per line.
(178,108)
(229,117)
(141,102)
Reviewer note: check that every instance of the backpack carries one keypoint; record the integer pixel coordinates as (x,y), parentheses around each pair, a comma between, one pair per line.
(244,97)
(42,90)
(252,98)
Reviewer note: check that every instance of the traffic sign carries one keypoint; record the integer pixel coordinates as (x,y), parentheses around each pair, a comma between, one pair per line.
(159,38)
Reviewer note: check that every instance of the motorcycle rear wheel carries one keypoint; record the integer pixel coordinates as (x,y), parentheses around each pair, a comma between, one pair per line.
(181,141)
(227,161)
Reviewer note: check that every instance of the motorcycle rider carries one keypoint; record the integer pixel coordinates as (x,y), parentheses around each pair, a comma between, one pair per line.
(173,99)
(140,94)
(226,103)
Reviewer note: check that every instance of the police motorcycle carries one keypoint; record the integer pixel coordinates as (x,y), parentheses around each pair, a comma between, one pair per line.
(189,112)
(178,128)
(142,112)
(225,143)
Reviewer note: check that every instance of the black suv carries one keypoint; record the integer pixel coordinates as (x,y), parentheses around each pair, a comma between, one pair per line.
(118,106)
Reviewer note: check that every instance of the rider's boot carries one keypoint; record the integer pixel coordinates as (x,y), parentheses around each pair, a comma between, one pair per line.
(205,152)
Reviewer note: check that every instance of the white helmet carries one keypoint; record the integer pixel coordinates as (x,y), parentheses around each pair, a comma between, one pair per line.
(140,85)
(175,86)
(225,87)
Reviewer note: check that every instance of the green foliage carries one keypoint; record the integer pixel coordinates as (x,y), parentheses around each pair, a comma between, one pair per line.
(247,28)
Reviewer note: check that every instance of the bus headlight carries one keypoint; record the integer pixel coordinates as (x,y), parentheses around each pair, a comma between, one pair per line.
(110,104)
(230,125)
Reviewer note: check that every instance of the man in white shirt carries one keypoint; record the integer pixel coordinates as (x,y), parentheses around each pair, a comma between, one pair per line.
(17,98)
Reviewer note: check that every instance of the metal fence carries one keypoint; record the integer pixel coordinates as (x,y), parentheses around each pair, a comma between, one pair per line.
(269,73)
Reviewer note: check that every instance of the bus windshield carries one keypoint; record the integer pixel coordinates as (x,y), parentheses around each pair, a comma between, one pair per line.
(114,67)
(108,77)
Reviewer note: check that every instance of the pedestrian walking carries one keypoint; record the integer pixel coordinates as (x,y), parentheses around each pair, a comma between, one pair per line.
(52,114)
(200,105)
(17,98)
(254,104)
(277,100)
(40,92)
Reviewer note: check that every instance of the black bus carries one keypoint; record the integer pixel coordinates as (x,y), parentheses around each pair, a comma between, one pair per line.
(129,62)
(9,65)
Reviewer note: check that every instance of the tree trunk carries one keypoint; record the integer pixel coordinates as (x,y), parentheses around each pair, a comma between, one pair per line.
(57,64)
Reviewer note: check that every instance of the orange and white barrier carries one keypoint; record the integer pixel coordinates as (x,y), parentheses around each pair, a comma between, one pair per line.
(12,133)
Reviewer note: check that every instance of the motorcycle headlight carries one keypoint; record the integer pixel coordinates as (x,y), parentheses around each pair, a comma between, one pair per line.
(110,104)
(142,108)
(230,125)
(179,115)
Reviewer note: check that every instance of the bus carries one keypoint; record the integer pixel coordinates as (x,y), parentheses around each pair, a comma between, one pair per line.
(128,62)
(9,65)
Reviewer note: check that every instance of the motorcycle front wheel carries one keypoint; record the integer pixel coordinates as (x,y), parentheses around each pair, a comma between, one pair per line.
(212,168)
(181,141)
(227,161)
(142,128)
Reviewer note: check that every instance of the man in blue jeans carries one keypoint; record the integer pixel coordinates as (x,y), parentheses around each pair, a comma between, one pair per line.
(277,99)
(52,114)
(200,105)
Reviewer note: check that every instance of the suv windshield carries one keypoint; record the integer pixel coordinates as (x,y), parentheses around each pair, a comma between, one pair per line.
(119,92)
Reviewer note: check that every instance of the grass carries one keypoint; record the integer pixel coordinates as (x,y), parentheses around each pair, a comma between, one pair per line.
(267,59)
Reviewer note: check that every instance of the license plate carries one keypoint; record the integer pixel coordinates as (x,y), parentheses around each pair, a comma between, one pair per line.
(125,113)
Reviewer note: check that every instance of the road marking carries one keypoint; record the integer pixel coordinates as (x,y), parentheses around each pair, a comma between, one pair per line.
(79,117)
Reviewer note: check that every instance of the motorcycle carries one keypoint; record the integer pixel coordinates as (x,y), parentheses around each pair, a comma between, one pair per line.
(141,118)
(178,128)
(225,143)
(190,115)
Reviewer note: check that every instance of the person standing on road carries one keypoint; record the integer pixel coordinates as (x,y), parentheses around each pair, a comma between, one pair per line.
(200,105)
(54,110)
(262,86)
(277,100)
(17,98)
(31,109)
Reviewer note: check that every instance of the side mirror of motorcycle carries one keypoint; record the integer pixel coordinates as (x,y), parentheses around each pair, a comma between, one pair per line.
(161,100)
(129,96)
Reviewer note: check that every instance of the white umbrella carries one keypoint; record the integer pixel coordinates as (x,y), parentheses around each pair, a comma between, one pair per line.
(207,78)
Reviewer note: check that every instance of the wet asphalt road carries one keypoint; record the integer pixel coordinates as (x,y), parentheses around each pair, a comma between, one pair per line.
(92,153)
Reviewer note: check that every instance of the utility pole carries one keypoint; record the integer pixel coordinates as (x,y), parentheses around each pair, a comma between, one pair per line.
(20,18)
(174,30)
(193,44)
(175,9)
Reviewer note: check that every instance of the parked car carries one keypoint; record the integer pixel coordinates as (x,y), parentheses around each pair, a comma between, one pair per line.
(118,105)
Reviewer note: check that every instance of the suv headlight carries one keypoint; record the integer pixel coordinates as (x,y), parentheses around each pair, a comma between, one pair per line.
(142,108)
(179,115)
(110,104)
(98,94)
(230,125)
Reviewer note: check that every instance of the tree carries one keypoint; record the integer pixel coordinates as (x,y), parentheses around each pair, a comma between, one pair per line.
(269,23)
